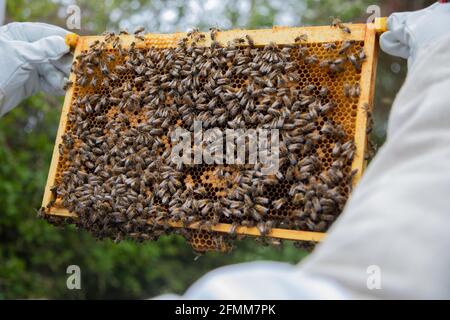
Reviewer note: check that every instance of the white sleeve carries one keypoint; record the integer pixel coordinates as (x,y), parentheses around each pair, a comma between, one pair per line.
(396,226)
(398,218)
(263,280)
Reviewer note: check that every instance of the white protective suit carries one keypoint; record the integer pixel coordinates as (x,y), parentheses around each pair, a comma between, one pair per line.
(393,238)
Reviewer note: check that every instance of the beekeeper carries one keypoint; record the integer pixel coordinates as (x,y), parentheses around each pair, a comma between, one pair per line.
(393,238)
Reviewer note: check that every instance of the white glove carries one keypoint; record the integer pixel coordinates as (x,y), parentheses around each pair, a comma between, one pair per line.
(412,32)
(33,57)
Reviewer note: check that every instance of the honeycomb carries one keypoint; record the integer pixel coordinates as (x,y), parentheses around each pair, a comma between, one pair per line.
(109,168)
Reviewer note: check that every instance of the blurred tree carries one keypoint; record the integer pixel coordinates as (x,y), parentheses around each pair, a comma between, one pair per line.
(33,254)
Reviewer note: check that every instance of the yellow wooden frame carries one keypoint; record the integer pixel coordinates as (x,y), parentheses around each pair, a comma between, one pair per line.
(278,35)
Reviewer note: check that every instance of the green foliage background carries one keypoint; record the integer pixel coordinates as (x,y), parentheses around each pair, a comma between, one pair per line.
(34,255)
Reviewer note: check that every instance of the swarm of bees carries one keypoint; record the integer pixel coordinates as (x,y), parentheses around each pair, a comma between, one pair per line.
(117,174)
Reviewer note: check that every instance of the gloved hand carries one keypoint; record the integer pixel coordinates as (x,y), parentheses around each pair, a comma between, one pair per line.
(411,32)
(33,57)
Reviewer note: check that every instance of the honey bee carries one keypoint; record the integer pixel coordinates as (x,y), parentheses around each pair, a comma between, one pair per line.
(325,63)
(301,38)
(354,62)
(347,90)
(108,35)
(308,89)
(348,150)
(312,59)
(330,46)
(120,68)
(233,228)
(263,230)
(277,204)
(334,131)
(361,55)
(337,23)
(250,41)
(347,44)
(193,32)
(344,28)
(336,151)
(213,33)
(67,85)
(139,30)
(352,91)
(323,109)
(336,67)
(82,81)
(323,91)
